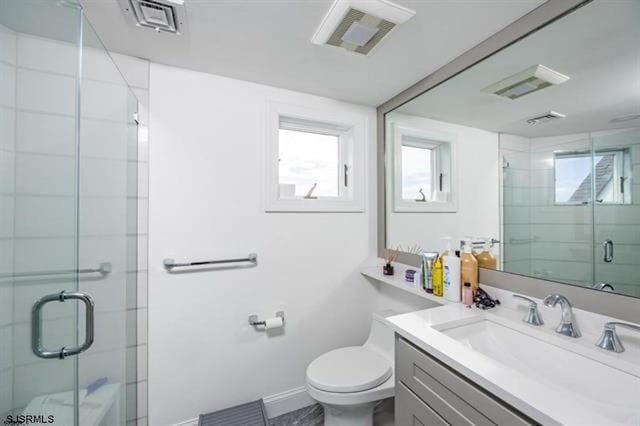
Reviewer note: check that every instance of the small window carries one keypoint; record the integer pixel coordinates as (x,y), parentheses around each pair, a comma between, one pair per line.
(423,171)
(313,165)
(578,175)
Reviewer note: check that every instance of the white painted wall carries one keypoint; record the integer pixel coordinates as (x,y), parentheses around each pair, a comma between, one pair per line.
(478,184)
(206,202)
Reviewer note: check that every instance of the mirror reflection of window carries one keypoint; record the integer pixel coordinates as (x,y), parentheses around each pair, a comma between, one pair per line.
(608,172)
(417,173)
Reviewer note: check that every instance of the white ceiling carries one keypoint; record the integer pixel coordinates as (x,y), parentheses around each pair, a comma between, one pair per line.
(268,41)
(598,46)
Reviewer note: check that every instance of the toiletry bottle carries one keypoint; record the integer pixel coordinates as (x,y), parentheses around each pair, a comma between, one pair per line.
(437,277)
(467,294)
(428,258)
(486,259)
(451,277)
(469,266)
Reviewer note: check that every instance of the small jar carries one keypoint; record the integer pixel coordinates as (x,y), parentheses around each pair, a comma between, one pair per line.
(467,295)
(387,269)
(410,275)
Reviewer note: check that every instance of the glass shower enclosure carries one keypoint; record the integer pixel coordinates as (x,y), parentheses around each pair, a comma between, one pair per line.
(68,140)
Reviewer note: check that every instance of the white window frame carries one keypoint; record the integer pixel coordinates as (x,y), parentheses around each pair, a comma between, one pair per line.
(622,168)
(351,129)
(434,141)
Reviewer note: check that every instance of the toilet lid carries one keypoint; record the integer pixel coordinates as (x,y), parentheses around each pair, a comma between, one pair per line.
(351,369)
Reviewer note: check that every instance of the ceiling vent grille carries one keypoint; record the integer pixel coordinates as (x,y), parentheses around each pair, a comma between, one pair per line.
(534,78)
(359,26)
(159,15)
(545,118)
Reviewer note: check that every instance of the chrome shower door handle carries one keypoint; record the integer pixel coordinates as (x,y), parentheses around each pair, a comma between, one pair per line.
(36,325)
(607,247)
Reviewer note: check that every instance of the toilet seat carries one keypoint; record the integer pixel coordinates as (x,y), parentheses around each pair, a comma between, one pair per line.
(350,369)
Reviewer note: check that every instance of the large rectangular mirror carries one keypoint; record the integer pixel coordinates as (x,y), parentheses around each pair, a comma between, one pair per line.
(534,151)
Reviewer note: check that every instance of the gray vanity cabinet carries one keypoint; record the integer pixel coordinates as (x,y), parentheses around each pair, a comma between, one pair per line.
(430,393)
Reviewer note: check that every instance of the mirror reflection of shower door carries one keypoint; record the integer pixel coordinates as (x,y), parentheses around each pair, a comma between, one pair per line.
(616,156)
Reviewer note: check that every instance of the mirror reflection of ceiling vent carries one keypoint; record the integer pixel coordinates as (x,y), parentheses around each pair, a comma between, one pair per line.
(545,118)
(360,25)
(159,15)
(534,78)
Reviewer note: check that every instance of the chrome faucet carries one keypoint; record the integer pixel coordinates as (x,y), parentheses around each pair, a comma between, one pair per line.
(533,316)
(610,340)
(567,325)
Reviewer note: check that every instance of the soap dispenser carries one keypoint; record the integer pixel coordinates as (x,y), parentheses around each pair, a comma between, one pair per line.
(486,259)
(469,265)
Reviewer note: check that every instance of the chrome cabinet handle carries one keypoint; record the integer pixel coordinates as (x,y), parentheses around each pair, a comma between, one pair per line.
(36,326)
(608,251)
(533,316)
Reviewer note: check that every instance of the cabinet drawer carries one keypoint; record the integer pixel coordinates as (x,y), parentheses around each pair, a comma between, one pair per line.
(453,397)
(411,411)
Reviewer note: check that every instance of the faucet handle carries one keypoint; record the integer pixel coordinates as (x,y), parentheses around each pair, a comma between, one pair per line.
(610,340)
(533,316)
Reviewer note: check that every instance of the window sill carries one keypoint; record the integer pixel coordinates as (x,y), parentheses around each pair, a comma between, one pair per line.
(302,205)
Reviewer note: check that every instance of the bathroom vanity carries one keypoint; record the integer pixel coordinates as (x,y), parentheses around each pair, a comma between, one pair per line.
(458,365)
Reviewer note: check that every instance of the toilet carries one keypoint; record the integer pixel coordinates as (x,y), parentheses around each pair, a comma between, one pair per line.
(348,382)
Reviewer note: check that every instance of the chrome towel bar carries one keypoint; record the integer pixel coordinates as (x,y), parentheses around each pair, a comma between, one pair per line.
(169,264)
(103,268)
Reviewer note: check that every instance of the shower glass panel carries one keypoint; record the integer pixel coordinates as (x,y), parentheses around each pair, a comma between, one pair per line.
(617,210)
(548,231)
(67,149)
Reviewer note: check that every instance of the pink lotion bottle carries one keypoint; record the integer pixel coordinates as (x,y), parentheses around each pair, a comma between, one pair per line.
(467,294)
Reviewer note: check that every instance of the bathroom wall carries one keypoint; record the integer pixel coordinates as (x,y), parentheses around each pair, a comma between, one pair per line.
(556,241)
(206,202)
(478,182)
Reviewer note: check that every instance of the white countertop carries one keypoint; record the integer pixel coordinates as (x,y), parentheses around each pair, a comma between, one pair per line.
(525,392)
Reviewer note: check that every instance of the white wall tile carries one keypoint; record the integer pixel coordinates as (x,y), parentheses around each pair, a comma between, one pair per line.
(142,361)
(39,91)
(6,216)
(6,266)
(45,134)
(103,139)
(97,65)
(45,175)
(6,295)
(7,128)
(103,216)
(143,180)
(7,47)
(6,391)
(110,364)
(143,215)
(6,349)
(44,254)
(47,55)
(103,178)
(105,101)
(44,216)
(7,85)
(7,168)
(135,70)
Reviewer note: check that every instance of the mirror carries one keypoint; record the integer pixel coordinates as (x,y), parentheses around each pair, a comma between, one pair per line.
(535,149)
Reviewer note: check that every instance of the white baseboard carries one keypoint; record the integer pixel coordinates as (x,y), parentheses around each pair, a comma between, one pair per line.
(287,401)
(276,405)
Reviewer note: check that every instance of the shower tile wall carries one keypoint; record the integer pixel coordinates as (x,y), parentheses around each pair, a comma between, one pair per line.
(37,145)
(7,198)
(136,72)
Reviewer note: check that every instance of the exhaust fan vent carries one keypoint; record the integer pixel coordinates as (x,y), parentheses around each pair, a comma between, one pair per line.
(359,26)
(545,118)
(158,15)
(534,78)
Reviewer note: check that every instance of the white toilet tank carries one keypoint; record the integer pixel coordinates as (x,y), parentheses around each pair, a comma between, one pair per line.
(381,335)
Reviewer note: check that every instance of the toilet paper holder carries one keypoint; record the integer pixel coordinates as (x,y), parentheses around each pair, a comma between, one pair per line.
(255,321)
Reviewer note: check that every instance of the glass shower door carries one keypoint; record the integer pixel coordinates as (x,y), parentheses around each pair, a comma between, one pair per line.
(616,156)
(68,184)
(38,211)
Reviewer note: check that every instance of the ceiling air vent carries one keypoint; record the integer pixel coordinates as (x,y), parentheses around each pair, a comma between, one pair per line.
(545,118)
(360,25)
(534,78)
(158,15)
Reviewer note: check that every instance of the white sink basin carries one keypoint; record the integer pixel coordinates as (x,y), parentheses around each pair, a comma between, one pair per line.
(575,375)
